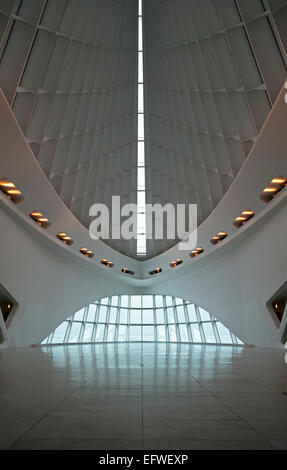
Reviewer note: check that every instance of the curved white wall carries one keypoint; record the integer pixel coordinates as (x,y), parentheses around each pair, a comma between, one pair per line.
(233,280)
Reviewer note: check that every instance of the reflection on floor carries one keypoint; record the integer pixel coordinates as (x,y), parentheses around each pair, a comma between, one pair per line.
(133,396)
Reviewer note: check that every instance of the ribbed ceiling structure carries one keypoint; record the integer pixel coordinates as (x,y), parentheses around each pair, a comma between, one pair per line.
(212,71)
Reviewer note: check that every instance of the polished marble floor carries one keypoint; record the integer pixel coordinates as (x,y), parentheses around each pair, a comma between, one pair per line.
(143,396)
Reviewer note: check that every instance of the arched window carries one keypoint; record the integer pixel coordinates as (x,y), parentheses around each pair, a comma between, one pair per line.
(137,318)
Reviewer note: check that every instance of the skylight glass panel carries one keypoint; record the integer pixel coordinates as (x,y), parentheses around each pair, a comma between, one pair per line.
(136,319)
(140,98)
(141,126)
(141,196)
(140,67)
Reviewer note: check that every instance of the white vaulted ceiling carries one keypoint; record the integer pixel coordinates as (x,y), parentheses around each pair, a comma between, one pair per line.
(213,70)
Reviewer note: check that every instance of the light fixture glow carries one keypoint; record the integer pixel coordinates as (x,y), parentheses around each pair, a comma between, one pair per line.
(9,189)
(40,219)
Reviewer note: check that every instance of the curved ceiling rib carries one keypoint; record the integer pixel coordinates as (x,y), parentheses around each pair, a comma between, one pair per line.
(209,90)
(213,69)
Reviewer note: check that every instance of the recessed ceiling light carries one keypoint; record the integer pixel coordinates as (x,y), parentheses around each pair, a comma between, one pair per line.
(40,219)
(9,189)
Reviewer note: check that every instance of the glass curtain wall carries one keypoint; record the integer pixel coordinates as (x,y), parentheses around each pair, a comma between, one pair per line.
(136,318)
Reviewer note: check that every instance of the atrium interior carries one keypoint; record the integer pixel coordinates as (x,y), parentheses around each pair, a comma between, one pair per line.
(143,225)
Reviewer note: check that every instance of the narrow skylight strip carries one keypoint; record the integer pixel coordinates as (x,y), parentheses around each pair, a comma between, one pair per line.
(141,187)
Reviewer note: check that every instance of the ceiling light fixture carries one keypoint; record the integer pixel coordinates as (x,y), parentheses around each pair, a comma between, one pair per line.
(176,263)
(155,271)
(218,238)
(87,252)
(65,238)
(107,263)
(243,218)
(9,189)
(127,271)
(275,186)
(196,252)
(40,219)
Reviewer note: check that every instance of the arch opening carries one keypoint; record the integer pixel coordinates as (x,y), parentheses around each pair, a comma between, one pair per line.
(142,318)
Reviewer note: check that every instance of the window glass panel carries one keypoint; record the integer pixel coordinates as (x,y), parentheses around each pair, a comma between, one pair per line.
(159,315)
(147,316)
(208,333)
(79,316)
(59,333)
(113,315)
(196,336)
(168,301)
(123,315)
(148,333)
(161,335)
(75,332)
(135,333)
(87,338)
(114,301)
(103,314)
(143,319)
(125,301)
(100,333)
(204,315)
(136,316)
(180,314)
(104,301)
(122,333)
(191,313)
(147,301)
(92,313)
(159,301)
(170,315)
(172,333)
(111,333)
(136,301)
(224,334)
(183,333)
